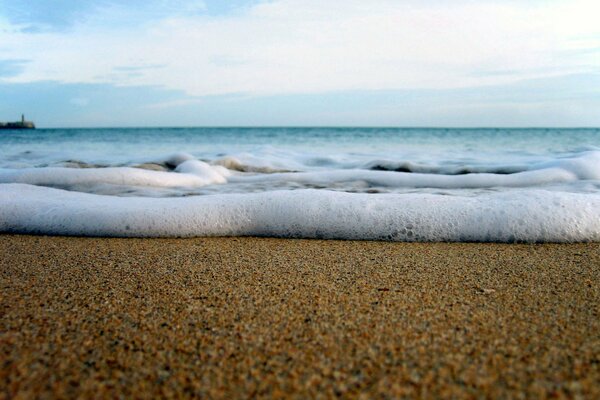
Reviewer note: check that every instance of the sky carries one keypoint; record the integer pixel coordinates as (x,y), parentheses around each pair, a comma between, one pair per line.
(464,63)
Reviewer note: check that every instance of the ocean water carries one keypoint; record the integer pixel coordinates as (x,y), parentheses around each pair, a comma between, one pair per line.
(501,185)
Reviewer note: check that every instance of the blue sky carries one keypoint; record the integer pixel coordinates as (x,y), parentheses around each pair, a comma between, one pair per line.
(300,62)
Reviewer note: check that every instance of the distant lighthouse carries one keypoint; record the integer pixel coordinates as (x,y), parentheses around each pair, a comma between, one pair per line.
(18,125)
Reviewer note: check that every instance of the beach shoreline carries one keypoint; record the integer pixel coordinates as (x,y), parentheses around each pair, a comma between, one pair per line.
(245,317)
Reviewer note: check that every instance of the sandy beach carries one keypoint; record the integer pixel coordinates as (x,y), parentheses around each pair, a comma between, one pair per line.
(252,317)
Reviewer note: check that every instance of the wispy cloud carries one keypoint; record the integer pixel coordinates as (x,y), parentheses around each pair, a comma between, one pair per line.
(9,68)
(308,46)
(138,68)
(561,101)
(38,16)
(249,62)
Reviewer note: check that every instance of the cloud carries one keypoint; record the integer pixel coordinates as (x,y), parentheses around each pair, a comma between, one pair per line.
(137,68)
(559,101)
(9,68)
(274,55)
(36,16)
(307,46)
(54,104)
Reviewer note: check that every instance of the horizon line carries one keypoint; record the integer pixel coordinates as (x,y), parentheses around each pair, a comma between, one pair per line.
(316,127)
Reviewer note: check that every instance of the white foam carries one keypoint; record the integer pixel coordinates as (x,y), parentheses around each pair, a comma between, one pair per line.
(210,173)
(189,172)
(416,180)
(575,174)
(585,165)
(193,173)
(518,215)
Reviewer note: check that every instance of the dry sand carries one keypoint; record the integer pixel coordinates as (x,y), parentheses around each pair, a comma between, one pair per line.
(247,317)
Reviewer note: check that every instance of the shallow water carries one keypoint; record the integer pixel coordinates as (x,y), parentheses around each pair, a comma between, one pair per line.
(369,183)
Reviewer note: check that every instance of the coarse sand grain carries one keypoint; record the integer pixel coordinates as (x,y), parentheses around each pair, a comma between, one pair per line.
(255,317)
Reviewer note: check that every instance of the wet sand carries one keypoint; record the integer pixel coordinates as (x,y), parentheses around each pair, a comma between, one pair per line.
(248,317)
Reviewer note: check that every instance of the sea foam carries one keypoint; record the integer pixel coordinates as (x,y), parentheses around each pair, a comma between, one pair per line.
(547,199)
(190,173)
(515,216)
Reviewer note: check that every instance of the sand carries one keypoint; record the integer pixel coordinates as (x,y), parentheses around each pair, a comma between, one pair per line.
(251,317)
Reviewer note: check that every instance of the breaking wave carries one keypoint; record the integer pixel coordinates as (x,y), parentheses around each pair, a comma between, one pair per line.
(520,216)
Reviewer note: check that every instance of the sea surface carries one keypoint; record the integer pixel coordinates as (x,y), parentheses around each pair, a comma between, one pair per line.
(406,184)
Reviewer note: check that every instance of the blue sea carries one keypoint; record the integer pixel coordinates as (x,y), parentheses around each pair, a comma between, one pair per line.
(400,184)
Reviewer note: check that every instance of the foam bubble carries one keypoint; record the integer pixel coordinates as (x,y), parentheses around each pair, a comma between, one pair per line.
(520,215)
(193,173)
(210,173)
(580,174)
(416,180)
(585,165)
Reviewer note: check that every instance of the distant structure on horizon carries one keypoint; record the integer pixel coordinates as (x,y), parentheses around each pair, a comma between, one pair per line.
(18,125)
